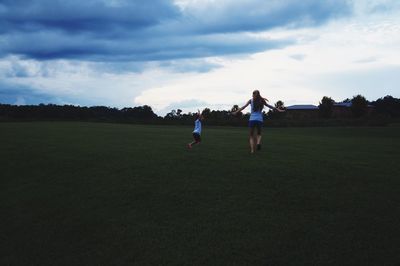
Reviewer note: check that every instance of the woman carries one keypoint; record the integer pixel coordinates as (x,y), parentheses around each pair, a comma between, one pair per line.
(256,118)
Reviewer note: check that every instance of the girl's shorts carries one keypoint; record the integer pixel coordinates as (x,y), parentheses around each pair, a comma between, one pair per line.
(197,137)
(256,124)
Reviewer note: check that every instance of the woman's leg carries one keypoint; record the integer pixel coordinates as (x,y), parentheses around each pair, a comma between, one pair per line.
(192,143)
(258,142)
(197,140)
(252,140)
(258,137)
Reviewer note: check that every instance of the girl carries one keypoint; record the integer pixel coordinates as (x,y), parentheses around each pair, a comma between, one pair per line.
(256,118)
(197,130)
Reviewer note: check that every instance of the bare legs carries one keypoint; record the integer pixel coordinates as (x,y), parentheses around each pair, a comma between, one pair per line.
(197,140)
(192,143)
(255,139)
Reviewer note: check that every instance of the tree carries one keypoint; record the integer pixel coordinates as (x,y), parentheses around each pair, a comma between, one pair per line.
(280,105)
(171,114)
(359,106)
(388,105)
(179,113)
(206,112)
(326,107)
(347,100)
(275,114)
(235,108)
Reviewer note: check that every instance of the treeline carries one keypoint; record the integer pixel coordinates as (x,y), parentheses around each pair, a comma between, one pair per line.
(71,112)
(355,111)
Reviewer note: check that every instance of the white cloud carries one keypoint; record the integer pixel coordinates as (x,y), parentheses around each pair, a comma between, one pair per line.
(340,60)
(20,101)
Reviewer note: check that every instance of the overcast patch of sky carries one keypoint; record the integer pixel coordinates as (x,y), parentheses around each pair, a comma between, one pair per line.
(354,55)
(119,53)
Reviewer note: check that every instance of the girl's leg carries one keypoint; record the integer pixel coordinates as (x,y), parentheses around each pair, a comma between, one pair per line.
(195,141)
(259,137)
(252,140)
(258,142)
(192,143)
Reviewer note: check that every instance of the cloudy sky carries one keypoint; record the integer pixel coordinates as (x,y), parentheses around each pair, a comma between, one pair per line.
(192,54)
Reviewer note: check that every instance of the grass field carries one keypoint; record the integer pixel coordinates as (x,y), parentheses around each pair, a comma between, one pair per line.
(109,194)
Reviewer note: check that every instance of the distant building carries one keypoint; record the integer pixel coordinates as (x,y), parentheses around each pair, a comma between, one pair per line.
(302,107)
(304,111)
(343,110)
(307,111)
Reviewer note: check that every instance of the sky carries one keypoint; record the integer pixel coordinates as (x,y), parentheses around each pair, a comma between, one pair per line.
(192,54)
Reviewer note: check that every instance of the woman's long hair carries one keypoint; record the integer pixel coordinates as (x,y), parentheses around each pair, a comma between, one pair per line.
(258,101)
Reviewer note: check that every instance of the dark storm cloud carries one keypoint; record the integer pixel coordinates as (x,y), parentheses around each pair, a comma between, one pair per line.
(141,30)
(259,15)
(20,94)
(84,16)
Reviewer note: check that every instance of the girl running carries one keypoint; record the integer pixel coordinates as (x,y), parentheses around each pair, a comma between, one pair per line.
(197,130)
(256,118)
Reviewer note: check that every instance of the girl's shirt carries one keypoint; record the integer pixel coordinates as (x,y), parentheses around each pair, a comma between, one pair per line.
(197,126)
(255,115)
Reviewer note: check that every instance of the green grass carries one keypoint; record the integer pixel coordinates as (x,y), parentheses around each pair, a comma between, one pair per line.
(109,194)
